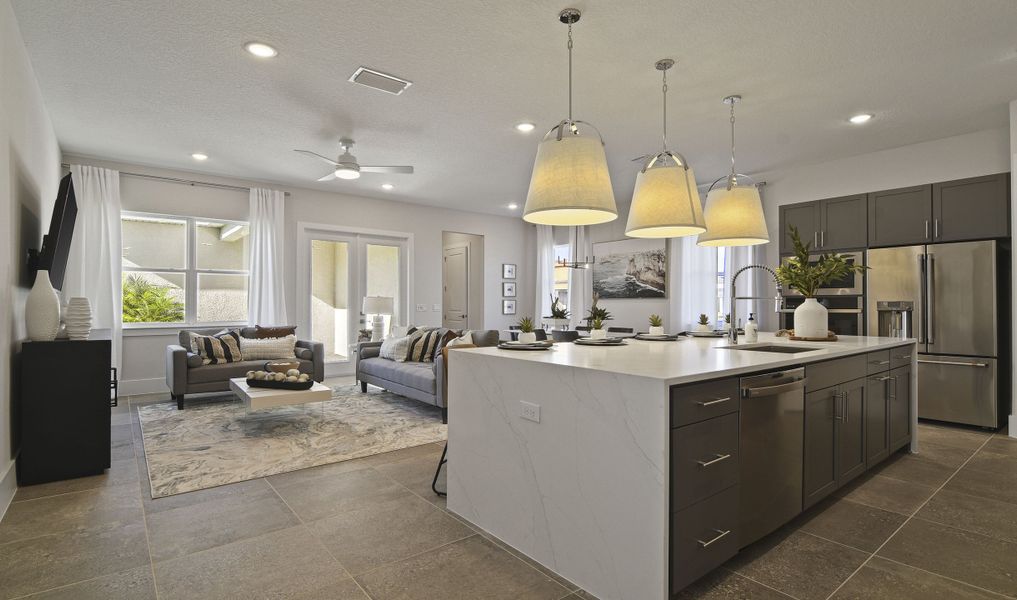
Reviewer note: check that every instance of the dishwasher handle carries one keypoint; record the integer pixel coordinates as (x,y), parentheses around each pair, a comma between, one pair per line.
(773,390)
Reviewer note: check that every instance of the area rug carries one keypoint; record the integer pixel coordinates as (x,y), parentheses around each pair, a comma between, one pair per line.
(215,443)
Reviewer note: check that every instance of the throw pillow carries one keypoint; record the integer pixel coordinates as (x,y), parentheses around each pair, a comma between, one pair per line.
(397,348)
(422,349)
(223,347)
(274,332)
(463,340)
(450,335)
(268,348)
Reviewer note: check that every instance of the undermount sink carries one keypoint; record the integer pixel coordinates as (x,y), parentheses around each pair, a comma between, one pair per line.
(778,348)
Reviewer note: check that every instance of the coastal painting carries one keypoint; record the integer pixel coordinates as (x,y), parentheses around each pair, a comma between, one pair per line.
(633,268)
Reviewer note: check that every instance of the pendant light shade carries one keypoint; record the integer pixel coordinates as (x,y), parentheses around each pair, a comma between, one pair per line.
(665,204)
(570,184)
(734,212)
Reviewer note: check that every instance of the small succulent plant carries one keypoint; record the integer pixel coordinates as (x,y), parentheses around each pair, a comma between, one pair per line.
(703,319)
(597,323)
(656,321)
(526,325)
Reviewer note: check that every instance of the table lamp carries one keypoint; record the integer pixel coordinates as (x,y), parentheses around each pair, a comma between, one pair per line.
(379,306)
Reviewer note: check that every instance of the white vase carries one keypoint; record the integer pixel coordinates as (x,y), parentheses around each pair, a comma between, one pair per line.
(78,318)
(704,327)
(527,337)
(811,319)
(561,324)
(42,310)
(598,334)
(656,330)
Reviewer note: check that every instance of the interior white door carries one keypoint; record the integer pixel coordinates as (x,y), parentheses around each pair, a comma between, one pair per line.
(456,281)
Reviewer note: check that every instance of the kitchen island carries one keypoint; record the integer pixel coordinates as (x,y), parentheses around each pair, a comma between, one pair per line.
(631,471)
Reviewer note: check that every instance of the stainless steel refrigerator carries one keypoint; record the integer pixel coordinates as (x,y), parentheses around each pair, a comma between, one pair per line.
(954,299)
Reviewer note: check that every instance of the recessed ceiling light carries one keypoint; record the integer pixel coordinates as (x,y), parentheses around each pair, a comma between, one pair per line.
(859,119)
(513,206)
(387,186)
(261,50)
(199,156)
(525,127)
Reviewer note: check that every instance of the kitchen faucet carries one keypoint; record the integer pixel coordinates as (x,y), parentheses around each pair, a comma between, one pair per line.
(778,299)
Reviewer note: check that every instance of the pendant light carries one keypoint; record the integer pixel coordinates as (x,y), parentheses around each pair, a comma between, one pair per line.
(734,212)
(666,201)
(570,184)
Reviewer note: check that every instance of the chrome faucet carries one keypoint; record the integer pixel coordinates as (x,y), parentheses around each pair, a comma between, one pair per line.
(778,299)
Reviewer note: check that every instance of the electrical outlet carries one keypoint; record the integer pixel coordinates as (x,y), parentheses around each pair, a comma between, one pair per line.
(421,308)
(436,307)
(529,411)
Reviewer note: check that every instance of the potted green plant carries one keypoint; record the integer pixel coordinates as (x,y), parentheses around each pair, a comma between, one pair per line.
(656,325)
(597,329)
(727,322)
(559,313)
(596,312)
(704,323)
(526,334)
(798,273)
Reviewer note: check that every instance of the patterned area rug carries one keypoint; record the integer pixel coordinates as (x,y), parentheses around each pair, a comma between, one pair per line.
(216,443)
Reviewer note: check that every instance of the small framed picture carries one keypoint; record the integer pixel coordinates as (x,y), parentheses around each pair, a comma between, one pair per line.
(508,289)
(508,271)
(508,307)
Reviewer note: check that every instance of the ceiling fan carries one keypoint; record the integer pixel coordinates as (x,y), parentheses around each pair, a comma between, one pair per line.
(347,167)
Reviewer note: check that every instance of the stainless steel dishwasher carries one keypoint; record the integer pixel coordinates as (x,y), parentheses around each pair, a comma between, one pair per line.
(771,429)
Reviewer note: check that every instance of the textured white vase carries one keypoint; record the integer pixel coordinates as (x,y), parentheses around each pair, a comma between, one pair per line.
(598,334)
(811,319)
(656,330)
(42,310)
(78,318)
(527,337)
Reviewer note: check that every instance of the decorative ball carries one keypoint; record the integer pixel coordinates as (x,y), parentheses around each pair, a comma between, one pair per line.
(293,373)
(291,379)
(280,376)
(259,375)
(303,377)
(250,374)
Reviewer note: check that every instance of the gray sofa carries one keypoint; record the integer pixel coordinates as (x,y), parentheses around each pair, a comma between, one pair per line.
(424,381)
(186,375)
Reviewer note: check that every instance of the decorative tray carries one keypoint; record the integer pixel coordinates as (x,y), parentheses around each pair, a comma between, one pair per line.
(281,385)
(706,334)
(790,334)
(657,338)
(525,346)
(600,342)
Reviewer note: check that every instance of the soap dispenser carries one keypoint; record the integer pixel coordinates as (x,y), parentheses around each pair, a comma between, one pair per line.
(751,329)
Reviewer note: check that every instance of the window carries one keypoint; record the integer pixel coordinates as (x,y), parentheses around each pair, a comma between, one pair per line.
(720,317)
(183,270)
(562,274)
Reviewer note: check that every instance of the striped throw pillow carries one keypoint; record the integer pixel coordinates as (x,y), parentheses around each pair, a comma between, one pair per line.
(223,347)
(268,348)
(397,348)
(423,348)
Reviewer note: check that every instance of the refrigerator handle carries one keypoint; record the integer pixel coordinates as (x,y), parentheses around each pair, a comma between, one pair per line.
(922,305)
(930,293)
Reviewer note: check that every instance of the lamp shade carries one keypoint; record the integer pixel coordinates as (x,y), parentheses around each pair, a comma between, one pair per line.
(570,184)
(378,305)
(734,217)
(665,204)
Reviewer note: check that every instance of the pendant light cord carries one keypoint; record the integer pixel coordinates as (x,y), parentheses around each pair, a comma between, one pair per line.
(732,180)
(664,90)
(570,72)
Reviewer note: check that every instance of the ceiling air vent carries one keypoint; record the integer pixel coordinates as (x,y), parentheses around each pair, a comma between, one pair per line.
(380,81)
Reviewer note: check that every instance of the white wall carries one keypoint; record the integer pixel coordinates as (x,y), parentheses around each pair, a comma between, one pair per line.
(476,284)
(506,239)
(29,177)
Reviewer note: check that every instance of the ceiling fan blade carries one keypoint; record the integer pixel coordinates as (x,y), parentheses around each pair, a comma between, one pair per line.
(641,158)
(328,177)
(324,158)
(385,169)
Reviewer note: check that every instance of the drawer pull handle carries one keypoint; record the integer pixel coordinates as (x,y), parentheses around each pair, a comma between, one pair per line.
(719,458)
(883,378)
(712,402)
(903,356)
(880,362)
(720,535)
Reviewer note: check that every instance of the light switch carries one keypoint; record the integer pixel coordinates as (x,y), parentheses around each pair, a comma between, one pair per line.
(421,308)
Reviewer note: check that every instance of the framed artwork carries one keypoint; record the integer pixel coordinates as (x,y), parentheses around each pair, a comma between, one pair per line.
(508,307)
(508,289)
(635,268)
(508,271)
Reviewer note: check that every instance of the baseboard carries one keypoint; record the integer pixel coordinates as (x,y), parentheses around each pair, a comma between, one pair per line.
(8,487)
(137,387)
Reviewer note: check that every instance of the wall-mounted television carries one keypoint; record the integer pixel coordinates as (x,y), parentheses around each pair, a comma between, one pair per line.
(57,243)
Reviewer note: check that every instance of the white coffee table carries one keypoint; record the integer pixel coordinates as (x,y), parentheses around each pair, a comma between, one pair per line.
(260,398)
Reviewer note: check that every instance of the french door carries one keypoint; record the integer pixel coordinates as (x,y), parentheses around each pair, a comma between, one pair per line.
(341,268)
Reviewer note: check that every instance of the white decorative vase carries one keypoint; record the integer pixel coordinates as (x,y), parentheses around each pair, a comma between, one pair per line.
(527,337)
(656,330)
(703,327)
(811,319)
(42,310)
(78,318)
(598,334)
(561,324)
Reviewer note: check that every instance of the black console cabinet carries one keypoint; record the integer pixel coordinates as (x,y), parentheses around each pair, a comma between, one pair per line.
(64,410)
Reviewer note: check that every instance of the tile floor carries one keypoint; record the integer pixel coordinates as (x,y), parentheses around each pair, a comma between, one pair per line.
(939,525)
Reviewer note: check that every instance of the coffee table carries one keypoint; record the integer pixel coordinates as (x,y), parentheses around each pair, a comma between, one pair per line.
(260,398)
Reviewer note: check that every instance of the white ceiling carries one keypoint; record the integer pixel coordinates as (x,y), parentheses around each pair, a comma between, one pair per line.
(151,82)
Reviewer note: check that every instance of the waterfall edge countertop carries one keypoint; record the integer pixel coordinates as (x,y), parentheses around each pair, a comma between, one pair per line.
(567,455)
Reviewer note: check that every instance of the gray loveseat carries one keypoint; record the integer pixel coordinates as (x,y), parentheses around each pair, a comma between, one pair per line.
(186,375)
(424,381)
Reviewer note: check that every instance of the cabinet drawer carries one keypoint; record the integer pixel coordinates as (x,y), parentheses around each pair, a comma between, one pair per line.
(702,401)
(901,357)
(703,536)
(704,459)
(832,372)
(877,362)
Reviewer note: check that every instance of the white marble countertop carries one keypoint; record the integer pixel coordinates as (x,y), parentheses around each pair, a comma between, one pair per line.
(693,359)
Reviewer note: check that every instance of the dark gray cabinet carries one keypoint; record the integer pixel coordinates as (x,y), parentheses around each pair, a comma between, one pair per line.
(877,442)
(804,217)
(851,431)
(900,217)
(827,225)
(899,409)
(820,451)
(971,209)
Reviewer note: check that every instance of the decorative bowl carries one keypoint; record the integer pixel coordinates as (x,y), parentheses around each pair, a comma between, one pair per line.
(281,367)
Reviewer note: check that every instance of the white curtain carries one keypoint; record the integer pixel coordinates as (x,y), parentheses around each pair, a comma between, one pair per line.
(692,283)
(545,272)
(266,303)
(581,280)
(93,265)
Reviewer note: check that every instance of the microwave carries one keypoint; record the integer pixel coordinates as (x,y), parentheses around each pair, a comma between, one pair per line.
(844,313)
(852,284)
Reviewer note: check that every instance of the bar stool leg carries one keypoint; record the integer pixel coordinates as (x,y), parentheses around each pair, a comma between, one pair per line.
(434,482)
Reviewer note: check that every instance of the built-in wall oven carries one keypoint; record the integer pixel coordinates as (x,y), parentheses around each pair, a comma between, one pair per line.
(852,284)
(846,314)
